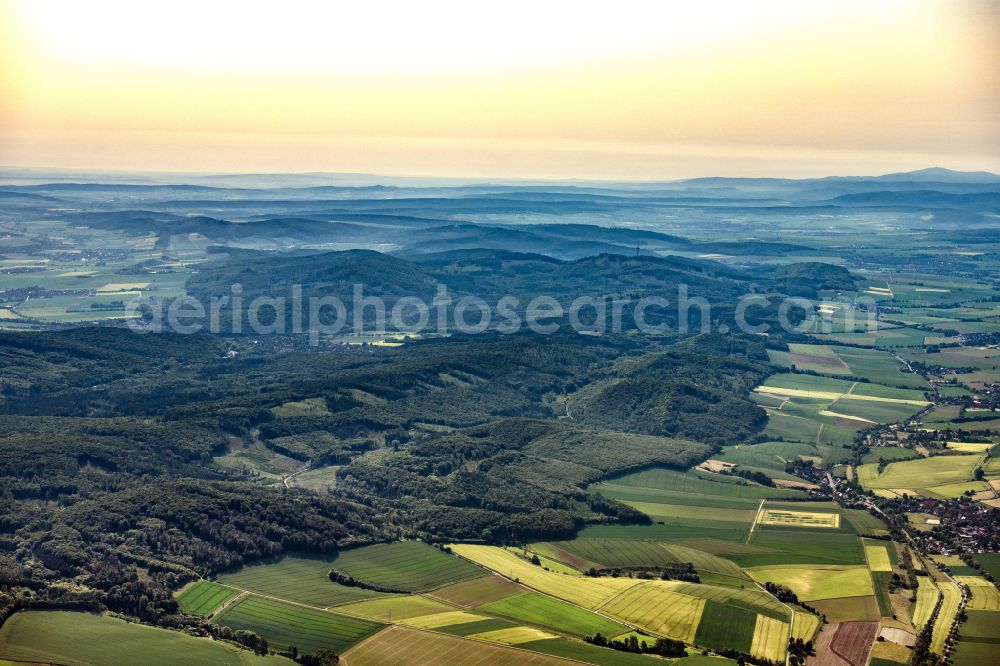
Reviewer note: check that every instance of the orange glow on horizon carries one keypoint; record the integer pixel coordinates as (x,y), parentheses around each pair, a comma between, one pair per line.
(596,90)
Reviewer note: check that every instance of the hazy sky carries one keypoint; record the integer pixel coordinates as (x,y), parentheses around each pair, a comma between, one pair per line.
(623,89)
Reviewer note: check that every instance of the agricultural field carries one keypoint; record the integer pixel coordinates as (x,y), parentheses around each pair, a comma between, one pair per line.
(297,578)
(793,518)
(815,582)
(583,591)
(395,608)
(478,591)
(770,639)
(398,644)
(927,597)
(448,618)
(76,638)
(822,410)
(685,505)
(405,565)
(878,556)
(664,608)
(873,365)
(946,615)
(980,636)
(544,611)
(285,625)
(985,596)
(778,546)
(723,626)
(655,608)
(938,476)
(990,562)
(203,597)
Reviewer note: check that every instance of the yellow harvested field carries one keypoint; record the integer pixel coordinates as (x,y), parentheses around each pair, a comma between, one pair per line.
(985,595)
(833,395)
(121,286)
(770,639)
(435,620)
(581,590)
(838,415)
(513,636)
(878,557)
(788,518)
(7,313)
(654,607)
(970,447)
(804,626)
(77,274)
(946,616)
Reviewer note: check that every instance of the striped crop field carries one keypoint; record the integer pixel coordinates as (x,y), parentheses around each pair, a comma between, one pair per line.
(544,611)
(946,616)
(301,579)
(770,639)
(927,597)
(285,625)
(985,596)
(203,597)
(398,645)
(805,626)
(750,598)
(404,565)
(395,608)
(790,518)
(478,591)
(878,556)
(447,619)
(513,635)
(657,609)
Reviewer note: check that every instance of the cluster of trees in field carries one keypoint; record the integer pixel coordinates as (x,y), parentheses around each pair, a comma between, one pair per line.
(664,647)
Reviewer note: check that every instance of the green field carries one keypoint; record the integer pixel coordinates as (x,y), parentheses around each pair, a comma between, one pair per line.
(83,639)
(285,625)
(990,562)
(873,365)
(637,553)
(543,611)
(865,523)
(725,626)
(980,637)
(405,565)
(813,582)
(203,597)
(926,476)
(299,578)
(478,591)
(801,546)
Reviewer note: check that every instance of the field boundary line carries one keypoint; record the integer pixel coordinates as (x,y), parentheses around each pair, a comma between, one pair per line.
(756,518)
(229,602)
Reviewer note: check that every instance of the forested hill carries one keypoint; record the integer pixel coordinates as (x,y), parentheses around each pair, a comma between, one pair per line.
(111,445)
(495,274)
